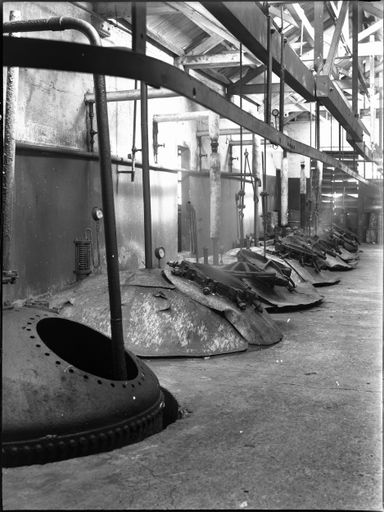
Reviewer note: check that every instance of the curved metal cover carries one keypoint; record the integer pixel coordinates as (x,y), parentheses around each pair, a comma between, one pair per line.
(336,263)
(257,327)
(58,407)
(310,274)
(281,298)
(158,320)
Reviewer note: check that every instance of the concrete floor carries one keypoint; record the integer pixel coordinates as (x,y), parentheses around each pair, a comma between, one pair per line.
(293,426)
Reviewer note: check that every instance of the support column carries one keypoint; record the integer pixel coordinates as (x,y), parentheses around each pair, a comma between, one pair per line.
(139,36)
(303,193)
(215,185)
(284,192)
(355,56)
(10,133)
(256,170)
(317,176)
(372,98)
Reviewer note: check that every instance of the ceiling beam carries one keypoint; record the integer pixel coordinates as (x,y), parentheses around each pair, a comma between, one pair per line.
(217,60)
(372,29)
(373,9)
(249,25)
(206,45)
(300,17)
(247,22)
(121,62)
(255,89)
(156,39)
(347,46)
(237,87)
(318,58)
(335,39)
(193,14)
(286,16)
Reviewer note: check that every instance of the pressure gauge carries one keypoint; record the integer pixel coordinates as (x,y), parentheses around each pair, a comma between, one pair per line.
(159,252)
(275,112)
(97,213)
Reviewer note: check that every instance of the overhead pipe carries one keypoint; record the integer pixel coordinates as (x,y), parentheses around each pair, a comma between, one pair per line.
(183,116)
(69,23)
(60,151)
(132,95)
(8,195)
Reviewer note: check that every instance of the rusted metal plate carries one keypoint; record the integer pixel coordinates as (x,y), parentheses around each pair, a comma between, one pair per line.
(281,298)
(336,263)
(311,275)
(257,327)
(158,320)
(347,256)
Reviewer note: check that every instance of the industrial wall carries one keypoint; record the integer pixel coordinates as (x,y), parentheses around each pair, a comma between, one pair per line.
(54,195)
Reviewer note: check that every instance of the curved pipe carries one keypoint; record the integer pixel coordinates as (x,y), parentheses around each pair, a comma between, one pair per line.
(67,23)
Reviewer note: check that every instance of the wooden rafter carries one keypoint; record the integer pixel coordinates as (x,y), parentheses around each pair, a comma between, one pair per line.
(335,38)
(299,16)
(205,46)
(194,14)
(217,60)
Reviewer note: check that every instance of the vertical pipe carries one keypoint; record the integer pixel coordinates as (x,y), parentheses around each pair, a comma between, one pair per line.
(284,163)
(284,191)
(146,177)
(139,37)
(10,129)
(303,192)
(283,41)
(241,196)
(215,185)
(355,55)
(372,92)
(205,255)
(267,120)
(111,249)
(316,191)
(256,166)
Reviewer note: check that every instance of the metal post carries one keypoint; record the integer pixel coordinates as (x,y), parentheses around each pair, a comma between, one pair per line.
(284,191)
(256,166)
(215,186)
(303,192)
(355,56)
(267,119)
(317,175)
(139,36)
(205,255)
(372,95)
(10,128)
(283,41)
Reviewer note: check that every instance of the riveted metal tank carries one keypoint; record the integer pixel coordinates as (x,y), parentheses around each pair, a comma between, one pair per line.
(59,398)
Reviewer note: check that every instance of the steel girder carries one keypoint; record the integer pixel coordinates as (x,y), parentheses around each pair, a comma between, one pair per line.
(121,62)
(250,27)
